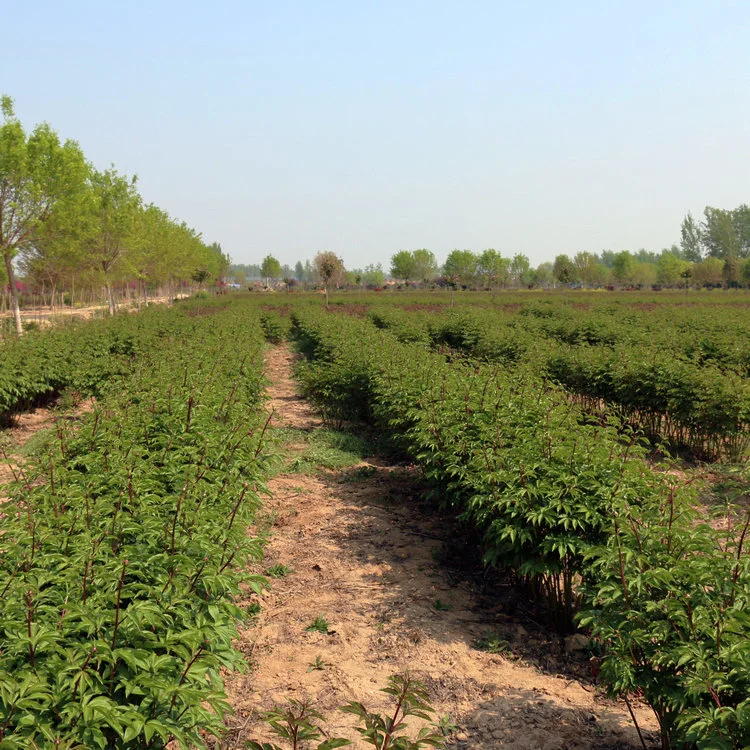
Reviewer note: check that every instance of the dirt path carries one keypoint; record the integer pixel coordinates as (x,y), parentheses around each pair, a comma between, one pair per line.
(363,556)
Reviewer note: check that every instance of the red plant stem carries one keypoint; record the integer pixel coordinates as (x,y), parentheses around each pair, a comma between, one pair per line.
(189,413)
(228,562)
(263,432)
(29,613)
(94,430)
(117,605)
(83,669)
(11,578)
(195,658)
(740,545)
(85,580)
(635,722)
(197,575)
(177,513)
(387,737)
(231,522)
(622,565)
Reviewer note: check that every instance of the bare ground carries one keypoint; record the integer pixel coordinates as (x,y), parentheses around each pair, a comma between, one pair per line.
(365,556)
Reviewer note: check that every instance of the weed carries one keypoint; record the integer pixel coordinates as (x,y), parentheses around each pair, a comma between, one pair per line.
(278,571)
(446,725)
(318,625)
(299,723)
(491,643)
(441,606)
(317,664)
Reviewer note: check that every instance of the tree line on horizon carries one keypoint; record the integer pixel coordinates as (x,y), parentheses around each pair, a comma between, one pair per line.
(67,228)
(713,252)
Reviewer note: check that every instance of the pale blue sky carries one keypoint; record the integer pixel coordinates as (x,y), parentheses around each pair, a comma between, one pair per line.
(368,127)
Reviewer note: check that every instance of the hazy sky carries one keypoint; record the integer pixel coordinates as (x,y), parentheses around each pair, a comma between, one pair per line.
(368,127)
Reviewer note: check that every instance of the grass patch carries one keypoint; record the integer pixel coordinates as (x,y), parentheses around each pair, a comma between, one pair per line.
(329,449)
(39,442)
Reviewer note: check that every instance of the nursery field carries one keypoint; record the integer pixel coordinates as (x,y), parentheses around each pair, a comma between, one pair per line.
(547,487)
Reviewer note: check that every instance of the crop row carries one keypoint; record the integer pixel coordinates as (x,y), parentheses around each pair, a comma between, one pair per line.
(123,545)
(689,404)
(570,506)
(82,356)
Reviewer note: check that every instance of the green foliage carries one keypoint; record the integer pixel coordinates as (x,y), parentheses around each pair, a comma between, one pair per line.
(317,665)
(330,449)
(270,268)
(127,545)
(318,625)
(298,723)
(568,502)
(384,732)
(668,599)
(278,571)
(275,326)
(491,643)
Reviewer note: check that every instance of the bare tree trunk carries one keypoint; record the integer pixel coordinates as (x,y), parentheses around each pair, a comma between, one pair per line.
(110,297)
(13,292)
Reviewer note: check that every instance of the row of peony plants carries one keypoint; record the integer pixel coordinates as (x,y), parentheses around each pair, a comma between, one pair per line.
(125,541)
(572,508)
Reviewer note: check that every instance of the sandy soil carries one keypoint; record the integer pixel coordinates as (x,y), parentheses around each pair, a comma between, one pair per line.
(365,556)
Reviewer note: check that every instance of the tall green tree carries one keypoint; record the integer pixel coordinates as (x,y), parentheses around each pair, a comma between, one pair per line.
(270,268)
(564,270)
(718,233)
(709,272)
(544,275)
(623,267)
(37,173)
(741,221)
(690,239)
(670,269)
(461,267)
(425,265)
(403,265)
(115,211)
(373,275)
(520,269)
(220,261)
(494,269)
(587,268)
(57,252)
(732,271)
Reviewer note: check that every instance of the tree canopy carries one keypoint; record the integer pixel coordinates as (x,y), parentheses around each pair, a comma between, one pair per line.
(62,220)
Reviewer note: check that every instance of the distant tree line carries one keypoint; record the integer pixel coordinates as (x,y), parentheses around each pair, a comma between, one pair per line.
(713,252)
(68,229)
